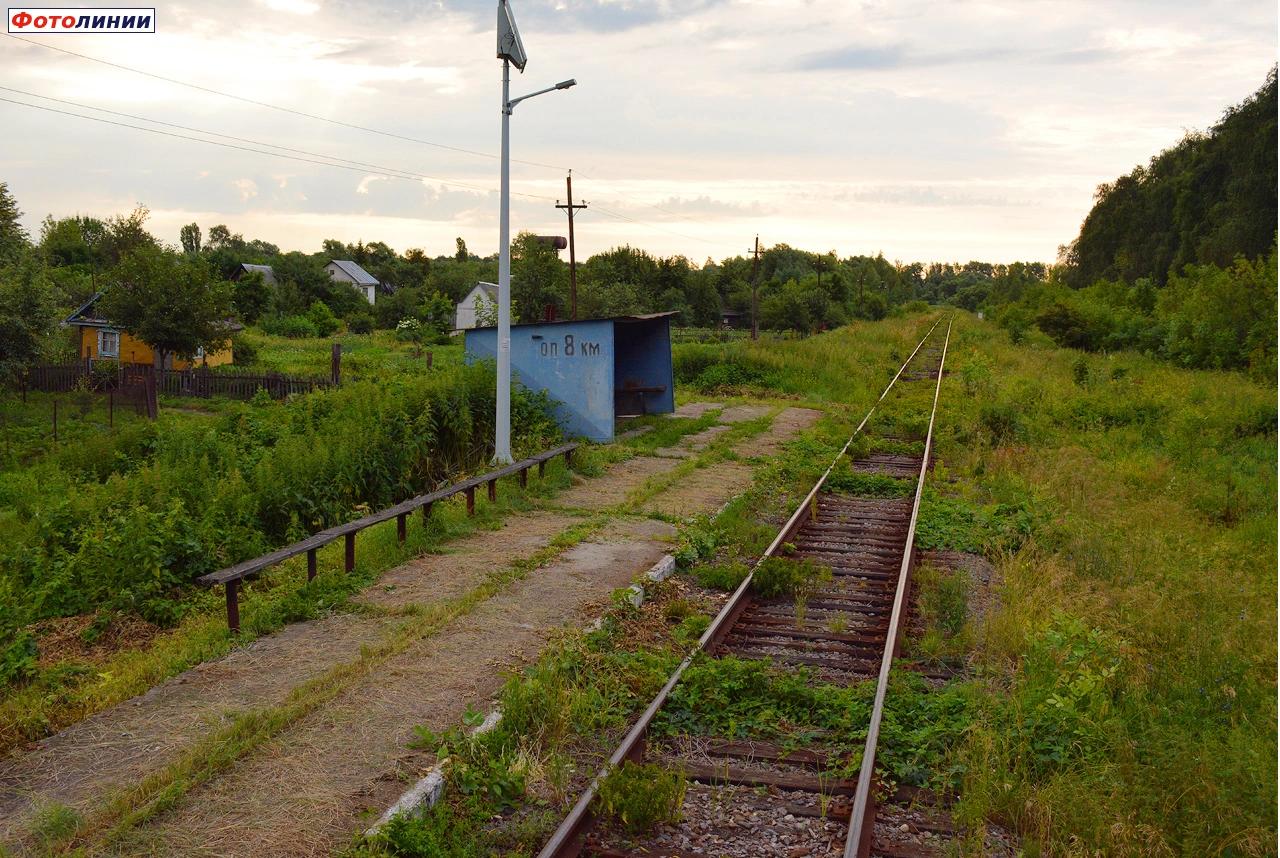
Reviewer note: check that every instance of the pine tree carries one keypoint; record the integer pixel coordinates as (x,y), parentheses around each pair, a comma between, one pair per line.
(13,238)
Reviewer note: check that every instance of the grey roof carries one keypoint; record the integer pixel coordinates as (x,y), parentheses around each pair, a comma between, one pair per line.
(355,272)
(268,276)
(490,289)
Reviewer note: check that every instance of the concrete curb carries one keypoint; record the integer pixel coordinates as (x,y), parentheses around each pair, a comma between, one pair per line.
(424,794)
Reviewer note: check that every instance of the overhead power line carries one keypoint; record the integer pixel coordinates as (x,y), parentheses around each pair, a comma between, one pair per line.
(340,123)
(375,167)
(460,149)
(332,161)
(300,155)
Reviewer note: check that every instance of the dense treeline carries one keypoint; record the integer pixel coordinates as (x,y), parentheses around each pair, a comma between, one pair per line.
(1176,259)
(1207,200)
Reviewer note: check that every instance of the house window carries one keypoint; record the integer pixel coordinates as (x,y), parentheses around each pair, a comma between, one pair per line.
(108,344)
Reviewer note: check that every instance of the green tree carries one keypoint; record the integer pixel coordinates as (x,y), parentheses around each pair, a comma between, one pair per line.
(461,254)
(26,315)
(1206,200)
(13,238)
(437,313)
(172,303)
(1222,318)
(538,277)
(250,297)
(190,237)
(126,234)
(322,318)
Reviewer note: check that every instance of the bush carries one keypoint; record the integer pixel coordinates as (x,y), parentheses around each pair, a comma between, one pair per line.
(777,577)
(243,350)
(1003,422)
(262,476)
(724,576)
(322,318)
(869,485)
(639,797)
(723,375)
(360,323)
(296,327)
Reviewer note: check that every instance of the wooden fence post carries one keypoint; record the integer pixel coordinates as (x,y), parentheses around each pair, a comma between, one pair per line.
(335,364)
(233,607)
(149,388)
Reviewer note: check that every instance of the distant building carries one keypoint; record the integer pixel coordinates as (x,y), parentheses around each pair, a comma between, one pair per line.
(268,276)
(481,294)
(346,271)
(100,340)
(732,318)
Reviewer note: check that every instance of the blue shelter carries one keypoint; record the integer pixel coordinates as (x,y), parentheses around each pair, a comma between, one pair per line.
(596,369)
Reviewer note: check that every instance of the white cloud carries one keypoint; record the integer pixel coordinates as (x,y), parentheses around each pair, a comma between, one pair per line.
(247,188)
(924,129)
(296,7)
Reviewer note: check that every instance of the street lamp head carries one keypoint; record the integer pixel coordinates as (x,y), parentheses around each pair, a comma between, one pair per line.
(565,84)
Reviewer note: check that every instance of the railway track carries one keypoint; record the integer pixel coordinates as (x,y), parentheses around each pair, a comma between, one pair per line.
(848,632)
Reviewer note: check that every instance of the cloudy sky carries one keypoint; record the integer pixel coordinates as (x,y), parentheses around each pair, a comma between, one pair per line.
(923,130)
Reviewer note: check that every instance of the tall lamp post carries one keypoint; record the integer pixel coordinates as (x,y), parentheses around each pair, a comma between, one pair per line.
(511,52)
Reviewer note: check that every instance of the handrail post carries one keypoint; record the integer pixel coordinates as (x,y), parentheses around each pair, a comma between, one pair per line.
(311,564)
(542,468)
(493,491)
(350,559)
(401,527)
(471,500)
(524,477)
(426,513)
(233,606)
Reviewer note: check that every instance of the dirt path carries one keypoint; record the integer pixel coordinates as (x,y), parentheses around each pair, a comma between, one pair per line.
(304,792)
(116,747)
(621,480)
(704,490)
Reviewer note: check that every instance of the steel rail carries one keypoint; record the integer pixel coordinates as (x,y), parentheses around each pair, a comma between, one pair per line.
(570,836)
(862,825)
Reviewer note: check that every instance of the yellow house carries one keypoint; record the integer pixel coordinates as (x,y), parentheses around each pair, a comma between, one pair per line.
(98,339)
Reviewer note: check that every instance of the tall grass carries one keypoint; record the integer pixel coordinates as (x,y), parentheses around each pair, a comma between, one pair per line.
(259,475)
(1134,657)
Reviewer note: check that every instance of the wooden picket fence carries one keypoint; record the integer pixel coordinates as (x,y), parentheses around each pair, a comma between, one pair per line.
(103,376)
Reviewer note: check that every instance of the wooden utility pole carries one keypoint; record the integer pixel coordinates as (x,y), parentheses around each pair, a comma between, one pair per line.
(570,208)
(755,286)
